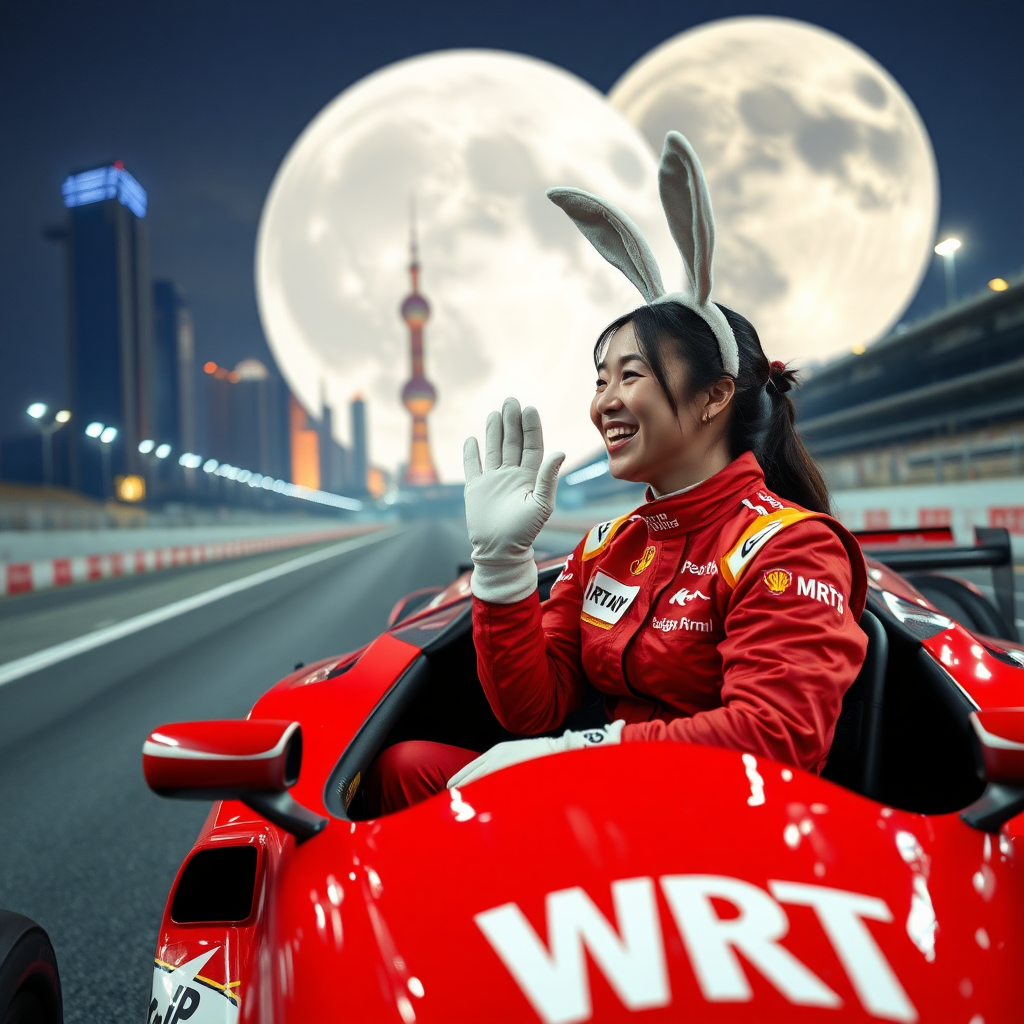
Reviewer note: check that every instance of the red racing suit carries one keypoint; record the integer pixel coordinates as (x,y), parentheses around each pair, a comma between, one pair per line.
(720,615)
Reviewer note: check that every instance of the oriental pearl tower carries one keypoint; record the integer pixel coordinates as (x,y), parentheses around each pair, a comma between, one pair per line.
(418,395)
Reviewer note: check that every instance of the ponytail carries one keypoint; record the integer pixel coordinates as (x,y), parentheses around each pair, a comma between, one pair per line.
(763,415)
(788,467)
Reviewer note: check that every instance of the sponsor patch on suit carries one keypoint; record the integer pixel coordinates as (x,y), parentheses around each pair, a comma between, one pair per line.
(606,600)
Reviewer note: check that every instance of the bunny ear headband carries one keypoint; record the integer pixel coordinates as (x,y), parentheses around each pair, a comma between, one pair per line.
(684,196)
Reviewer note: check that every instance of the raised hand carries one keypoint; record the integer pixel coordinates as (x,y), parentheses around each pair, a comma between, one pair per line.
(508,500)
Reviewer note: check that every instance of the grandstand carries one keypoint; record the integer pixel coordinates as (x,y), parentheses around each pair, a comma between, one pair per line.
(936,401)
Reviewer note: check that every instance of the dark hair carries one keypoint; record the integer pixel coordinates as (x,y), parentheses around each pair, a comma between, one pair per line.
(763,415)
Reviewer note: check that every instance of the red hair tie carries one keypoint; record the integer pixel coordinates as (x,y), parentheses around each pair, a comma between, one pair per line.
(778,378)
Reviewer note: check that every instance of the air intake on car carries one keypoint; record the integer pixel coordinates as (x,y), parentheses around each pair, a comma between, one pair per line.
(216,885)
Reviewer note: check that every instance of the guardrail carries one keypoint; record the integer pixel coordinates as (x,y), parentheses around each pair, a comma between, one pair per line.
(25,577)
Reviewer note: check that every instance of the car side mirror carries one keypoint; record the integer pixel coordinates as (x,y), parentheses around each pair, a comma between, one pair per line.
(253,760)
(999,751)
(1000,738)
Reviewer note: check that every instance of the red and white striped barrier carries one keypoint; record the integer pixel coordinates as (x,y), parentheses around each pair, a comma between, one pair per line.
(23,577)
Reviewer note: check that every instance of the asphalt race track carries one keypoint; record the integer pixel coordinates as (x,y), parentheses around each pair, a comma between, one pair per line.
(85,848)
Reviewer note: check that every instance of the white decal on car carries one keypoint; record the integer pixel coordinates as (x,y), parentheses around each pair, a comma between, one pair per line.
(630,951)
(842,917)
(182,994)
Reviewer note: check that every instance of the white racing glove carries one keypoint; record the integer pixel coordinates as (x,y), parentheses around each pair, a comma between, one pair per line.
(515,751)
(507,502)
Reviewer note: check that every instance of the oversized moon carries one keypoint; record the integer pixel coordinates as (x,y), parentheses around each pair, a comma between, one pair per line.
(822,176)
(518,297)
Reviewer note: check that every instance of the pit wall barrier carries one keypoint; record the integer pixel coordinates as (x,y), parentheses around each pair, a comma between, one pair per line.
(25,577)
(961,506)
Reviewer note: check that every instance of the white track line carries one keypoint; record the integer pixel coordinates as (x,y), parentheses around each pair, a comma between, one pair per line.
(90,641)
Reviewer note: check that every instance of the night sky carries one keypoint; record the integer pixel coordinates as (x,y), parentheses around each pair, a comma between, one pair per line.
(203,100)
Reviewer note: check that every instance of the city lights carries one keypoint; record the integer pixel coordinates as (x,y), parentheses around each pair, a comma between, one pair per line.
(146,446)
(105,435)
(130,488)
(110,182)
(210,465)
(162,451)
(37,410)
(947,246)
(245,476)
(190,460)
(998,284)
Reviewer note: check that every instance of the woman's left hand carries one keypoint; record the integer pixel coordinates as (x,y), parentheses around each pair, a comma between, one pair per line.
(515,751)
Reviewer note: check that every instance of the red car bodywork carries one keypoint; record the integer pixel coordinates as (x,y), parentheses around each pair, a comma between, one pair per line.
(576,887)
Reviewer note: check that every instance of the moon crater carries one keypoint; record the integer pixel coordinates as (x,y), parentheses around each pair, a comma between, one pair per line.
(821,174)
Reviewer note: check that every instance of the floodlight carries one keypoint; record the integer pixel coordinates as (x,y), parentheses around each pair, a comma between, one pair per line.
(948,246)
(94,430)
(162,451)
(108,434)
(63,416)
(146,446)
(37,410)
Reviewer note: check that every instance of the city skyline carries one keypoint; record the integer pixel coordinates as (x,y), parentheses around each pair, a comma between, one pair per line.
(209,190)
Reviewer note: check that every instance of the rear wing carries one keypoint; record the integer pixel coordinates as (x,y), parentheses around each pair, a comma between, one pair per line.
(932,548)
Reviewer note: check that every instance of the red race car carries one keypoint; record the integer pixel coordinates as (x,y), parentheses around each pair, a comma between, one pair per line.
(660,881)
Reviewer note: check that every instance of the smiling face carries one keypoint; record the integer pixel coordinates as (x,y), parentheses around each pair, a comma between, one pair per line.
(647,440)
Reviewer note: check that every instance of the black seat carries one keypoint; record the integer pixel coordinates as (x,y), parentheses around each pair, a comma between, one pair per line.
(855,757)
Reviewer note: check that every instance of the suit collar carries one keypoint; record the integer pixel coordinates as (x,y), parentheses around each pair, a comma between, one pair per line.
(685,510)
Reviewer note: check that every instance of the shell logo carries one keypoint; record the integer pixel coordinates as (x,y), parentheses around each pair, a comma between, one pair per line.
(777,581)
(643,561)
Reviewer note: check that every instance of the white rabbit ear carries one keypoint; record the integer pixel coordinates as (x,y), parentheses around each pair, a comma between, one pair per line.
(614,236)
(684,195)
(687,203)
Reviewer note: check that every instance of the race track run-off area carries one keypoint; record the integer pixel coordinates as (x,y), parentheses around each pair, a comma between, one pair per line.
(87,850)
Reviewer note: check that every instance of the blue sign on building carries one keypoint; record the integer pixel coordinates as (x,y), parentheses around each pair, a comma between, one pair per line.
(110,182)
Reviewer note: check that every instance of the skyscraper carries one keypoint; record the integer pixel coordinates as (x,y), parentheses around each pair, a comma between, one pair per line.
(334,458)
(246,424)
(418,395)
(360,462)
(173,364)
(305,447)
(110,319)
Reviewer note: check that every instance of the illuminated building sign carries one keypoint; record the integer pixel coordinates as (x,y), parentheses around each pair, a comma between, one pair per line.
(111,182)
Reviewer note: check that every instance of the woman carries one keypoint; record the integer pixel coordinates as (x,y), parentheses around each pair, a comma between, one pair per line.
(722,611)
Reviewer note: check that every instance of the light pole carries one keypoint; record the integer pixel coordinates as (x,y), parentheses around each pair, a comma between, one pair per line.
(146,450)
(162,452)
(37,410)
(947,250)
(105,436)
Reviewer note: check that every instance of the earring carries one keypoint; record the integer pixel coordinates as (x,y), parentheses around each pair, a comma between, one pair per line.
(706,419)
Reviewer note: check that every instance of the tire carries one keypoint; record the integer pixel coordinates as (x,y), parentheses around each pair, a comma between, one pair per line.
(962,603)
(29,981)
